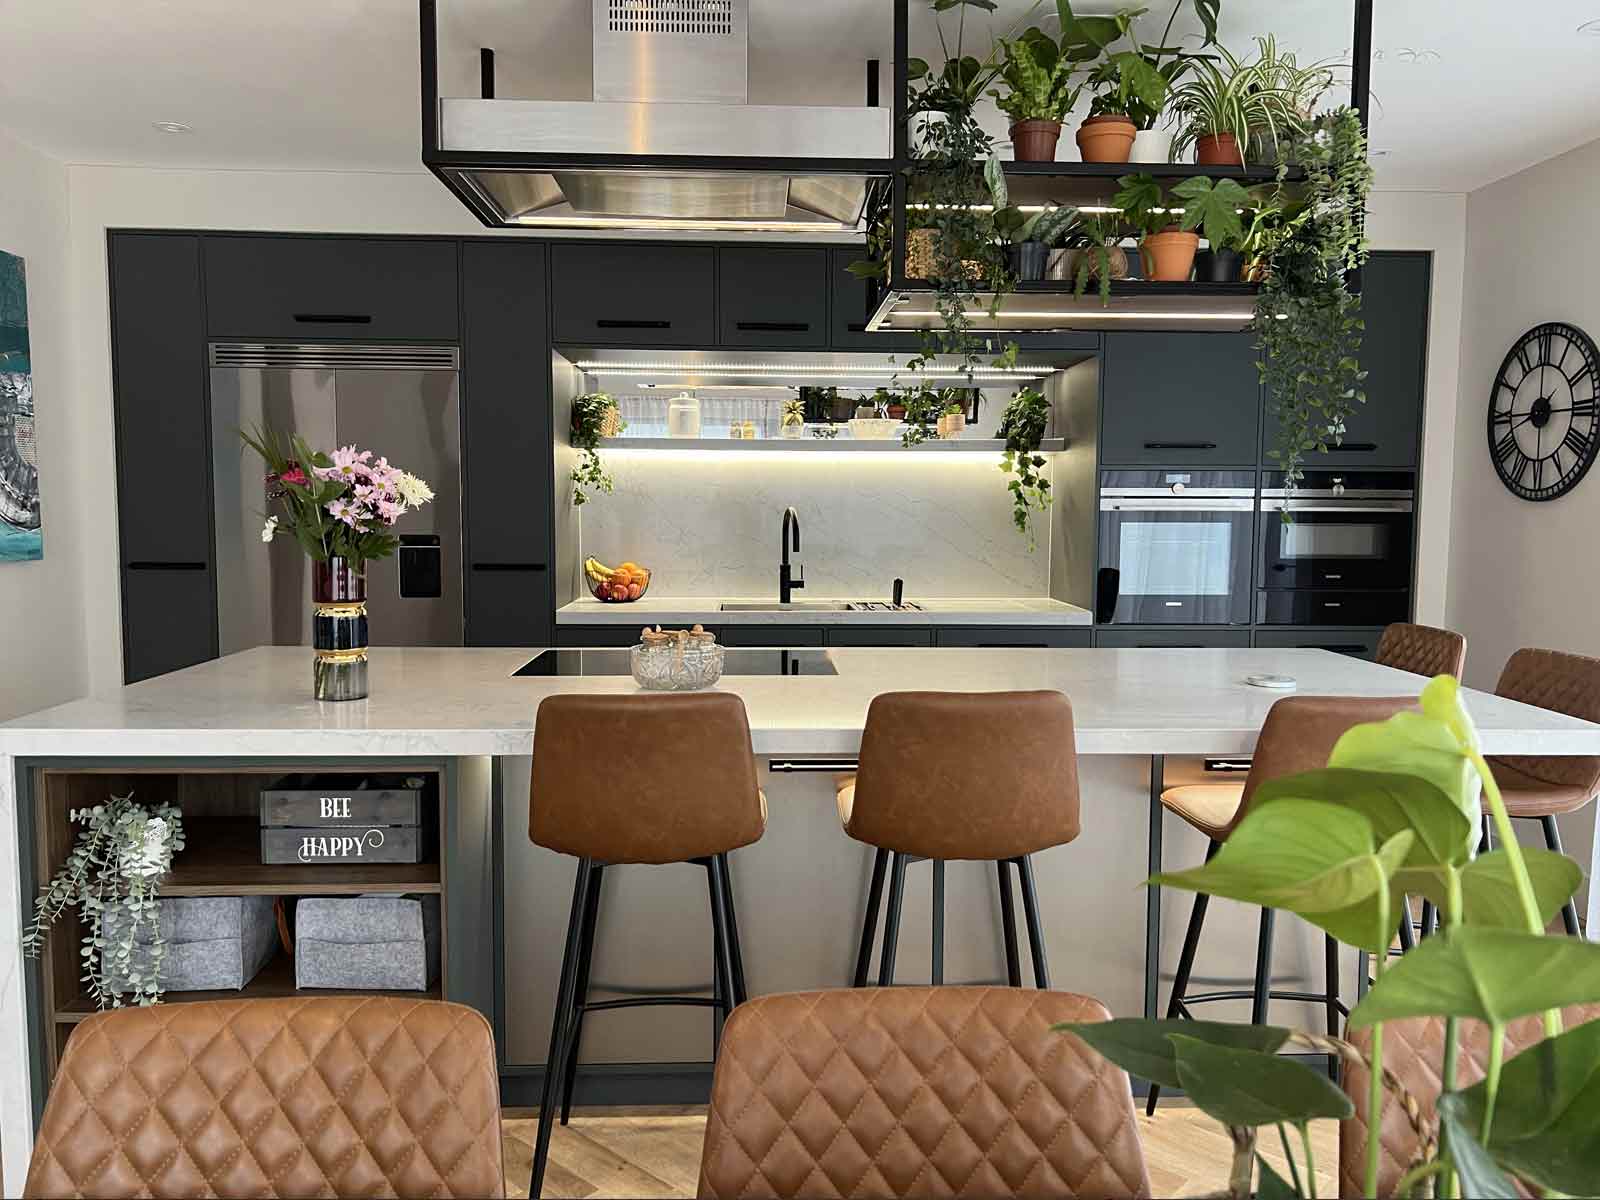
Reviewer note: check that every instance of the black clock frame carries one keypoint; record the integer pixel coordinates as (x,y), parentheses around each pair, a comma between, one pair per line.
(1533,351)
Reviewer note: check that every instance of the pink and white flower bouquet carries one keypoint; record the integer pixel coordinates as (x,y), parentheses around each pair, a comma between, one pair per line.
(339,505)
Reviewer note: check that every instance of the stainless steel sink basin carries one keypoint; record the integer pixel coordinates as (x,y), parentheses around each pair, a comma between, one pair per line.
(792,606)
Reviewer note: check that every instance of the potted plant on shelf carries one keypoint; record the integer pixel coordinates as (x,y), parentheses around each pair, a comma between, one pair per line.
(1303,89)
(1224,102)
(1027,237)
(1090,250)
(953,420)
(1038,95)
(1213,207)
(1166,248)
(594,416)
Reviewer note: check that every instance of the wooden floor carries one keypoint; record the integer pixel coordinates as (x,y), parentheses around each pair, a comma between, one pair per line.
(640,1152)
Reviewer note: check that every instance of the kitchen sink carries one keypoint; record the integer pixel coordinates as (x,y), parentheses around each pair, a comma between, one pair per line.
(792,606)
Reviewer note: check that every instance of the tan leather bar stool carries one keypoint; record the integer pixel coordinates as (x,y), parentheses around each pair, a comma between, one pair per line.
(985,776)
(1541,787)
(1422,650)
(692,798)
(1298,735)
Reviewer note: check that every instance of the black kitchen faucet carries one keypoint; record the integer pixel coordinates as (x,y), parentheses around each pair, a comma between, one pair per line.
(789,539)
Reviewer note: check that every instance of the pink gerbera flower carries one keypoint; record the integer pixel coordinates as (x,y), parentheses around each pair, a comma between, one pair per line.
(349,464)
(344,510)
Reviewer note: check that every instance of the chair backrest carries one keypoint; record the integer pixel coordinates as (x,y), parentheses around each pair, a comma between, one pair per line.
(915,1091)
(1422,650)
(974,775)
(1412,1052)
(644,778)
(324,1096)
(1300,731)
(1564,683)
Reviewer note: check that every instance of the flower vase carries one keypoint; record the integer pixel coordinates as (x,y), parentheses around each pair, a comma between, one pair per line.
(339,630)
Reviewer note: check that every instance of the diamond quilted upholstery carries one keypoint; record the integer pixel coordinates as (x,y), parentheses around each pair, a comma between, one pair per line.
(1413,1050)
(1422,650)
(1564,683)
(949,1091)
(327,1096)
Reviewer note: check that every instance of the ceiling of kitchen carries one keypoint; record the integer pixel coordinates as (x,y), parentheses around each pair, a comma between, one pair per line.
(1466,90)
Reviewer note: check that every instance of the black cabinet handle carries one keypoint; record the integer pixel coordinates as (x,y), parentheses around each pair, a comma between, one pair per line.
(608,323)
(1354,448)
(527,566)
(1180,445)
(1351,648)
(147,565)
(1169,646)
(772,326)
(333,318)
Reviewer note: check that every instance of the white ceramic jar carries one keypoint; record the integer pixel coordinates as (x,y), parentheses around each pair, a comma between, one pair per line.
(683,416)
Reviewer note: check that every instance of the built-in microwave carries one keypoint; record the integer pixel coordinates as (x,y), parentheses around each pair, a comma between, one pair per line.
(1175,547)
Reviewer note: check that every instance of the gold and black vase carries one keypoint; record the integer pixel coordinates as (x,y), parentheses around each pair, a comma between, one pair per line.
(339,630)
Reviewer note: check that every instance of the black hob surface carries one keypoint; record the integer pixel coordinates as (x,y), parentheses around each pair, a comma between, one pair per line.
(736,661)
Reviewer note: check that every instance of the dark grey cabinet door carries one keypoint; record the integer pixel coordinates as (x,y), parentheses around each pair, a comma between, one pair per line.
(848,300)
(314,289)
(769,296)
(168,619)
(1127,639)
(1179,399)
(773,635)
(507,446)
(582,637)
(1359,643)
(1010,637)
(627,294)
(1386,431)
(880,635)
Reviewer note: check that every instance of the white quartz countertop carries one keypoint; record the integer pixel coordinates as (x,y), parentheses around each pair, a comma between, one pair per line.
(707,610)
(452,702)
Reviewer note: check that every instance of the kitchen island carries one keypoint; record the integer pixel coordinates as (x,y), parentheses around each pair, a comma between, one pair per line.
(467,715)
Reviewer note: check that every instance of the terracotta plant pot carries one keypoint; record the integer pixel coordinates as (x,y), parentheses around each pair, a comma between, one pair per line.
(1168,256)
(1218,150)
(1035,140)
(1107,138)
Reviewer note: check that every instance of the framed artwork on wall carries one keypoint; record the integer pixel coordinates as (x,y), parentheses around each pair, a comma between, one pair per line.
(21,532)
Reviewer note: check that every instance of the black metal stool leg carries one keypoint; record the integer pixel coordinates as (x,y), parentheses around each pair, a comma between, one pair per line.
(1363,975)
(1552,839)
(741,992)
(891,922)
(1008,924)
(580,993)
(720,987)
(1330,966)
(938,922)
(1258,1002)
(1180,981)
(723,966)
(1484,841)
(1408,932)
(558,1030)
(1430,918)
(1030,913)
(869,925)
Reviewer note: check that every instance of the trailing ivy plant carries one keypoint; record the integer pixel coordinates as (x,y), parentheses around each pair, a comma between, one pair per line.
(112,876)
(1022,427)
(1395,812)
(1307,323)
(594,415)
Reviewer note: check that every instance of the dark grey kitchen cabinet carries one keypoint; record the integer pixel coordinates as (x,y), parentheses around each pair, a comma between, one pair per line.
(880,635)
(1135,638)
(506,442)
(1360,643)
(848,302)
(774,635)
(1005,637)
(579,637)
(316,288)
(771,297)
(629,294)
(1179,399)
(1386,431)
(159,383)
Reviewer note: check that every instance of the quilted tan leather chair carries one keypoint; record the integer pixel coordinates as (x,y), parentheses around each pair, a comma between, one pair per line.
(1422,650)
(1412,1051)
(325,1096)
(917,1091)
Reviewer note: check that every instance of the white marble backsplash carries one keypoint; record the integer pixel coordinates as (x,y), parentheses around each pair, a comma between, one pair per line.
(709,525)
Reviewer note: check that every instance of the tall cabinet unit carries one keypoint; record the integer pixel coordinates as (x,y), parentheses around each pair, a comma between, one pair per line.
(159,384)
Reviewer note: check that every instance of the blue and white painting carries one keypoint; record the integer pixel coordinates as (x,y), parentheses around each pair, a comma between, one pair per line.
(21,533)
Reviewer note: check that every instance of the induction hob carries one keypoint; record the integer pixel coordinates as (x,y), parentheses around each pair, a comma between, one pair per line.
(736,661)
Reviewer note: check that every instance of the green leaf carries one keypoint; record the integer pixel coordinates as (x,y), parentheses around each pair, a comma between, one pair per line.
(1490,975)
(1138,196)
(1321,861)
(1481,1179)
(1547,1112)
(916,68)
(995,176)
(1411,743)
(1392,802)
(1441,700)
(1247,1087)
(1271,1185)
(1207,11)
(1143,1048)
(1489,892)
(866,268)
(1213,208)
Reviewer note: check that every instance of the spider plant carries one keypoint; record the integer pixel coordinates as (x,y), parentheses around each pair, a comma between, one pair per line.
(1304,88)
(1228,95)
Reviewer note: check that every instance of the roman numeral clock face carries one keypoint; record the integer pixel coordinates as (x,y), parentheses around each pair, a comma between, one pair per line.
(1543,425)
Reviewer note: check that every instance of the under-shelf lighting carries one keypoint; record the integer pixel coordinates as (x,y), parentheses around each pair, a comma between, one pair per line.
(634,369)
(573,221)
(702,454)
(1086,314)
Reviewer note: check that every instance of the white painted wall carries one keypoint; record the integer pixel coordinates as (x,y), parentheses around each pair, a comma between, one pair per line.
(42,658)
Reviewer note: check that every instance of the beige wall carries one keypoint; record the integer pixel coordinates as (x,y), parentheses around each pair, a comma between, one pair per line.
(42,659)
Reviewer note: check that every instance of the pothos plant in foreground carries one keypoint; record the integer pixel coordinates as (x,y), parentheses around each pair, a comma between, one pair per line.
(1396,812)
(112,876)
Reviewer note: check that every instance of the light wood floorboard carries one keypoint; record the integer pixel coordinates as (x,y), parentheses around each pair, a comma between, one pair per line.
(650,1152)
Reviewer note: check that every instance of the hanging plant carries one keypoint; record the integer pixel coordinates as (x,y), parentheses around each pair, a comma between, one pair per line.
(1307,323)
(112,876)
(594,416)
(1022,427)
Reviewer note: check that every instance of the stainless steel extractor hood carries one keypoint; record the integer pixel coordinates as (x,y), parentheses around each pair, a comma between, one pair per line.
(669,140)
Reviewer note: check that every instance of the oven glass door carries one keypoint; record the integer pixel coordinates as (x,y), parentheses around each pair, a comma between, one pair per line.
(1350,545)
(1175,562)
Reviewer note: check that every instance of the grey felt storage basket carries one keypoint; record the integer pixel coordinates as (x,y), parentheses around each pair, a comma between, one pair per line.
(376,943)
(214,943)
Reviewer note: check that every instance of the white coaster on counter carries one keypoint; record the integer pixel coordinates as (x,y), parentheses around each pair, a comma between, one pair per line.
(1277,683)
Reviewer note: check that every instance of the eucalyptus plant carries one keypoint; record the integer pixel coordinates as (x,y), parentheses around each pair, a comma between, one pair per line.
(1395,812)
(591,413)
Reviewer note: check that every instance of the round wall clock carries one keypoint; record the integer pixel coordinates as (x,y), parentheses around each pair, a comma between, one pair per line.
(1543,424)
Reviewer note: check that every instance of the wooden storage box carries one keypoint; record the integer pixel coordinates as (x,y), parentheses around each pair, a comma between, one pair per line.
(345,844)
(372,943)
(311,800)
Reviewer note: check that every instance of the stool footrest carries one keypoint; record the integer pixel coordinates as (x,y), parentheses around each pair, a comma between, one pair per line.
(1249,994)
(652,1002)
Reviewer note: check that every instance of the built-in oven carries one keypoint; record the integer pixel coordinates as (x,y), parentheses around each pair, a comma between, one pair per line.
(1337,550)
(1175,547)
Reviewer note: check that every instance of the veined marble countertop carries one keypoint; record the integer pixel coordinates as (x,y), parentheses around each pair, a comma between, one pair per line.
(707,610)
(453,702)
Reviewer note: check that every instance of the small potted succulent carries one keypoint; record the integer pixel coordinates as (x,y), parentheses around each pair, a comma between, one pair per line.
(952,421)
(1038,94)
(793,421)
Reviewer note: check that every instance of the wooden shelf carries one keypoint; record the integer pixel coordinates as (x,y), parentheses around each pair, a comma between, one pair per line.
(275,980)
(811,445)
(222,857)
(1091,183)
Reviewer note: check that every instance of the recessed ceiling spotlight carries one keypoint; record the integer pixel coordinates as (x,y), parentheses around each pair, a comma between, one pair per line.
(172,127)
(1590,28)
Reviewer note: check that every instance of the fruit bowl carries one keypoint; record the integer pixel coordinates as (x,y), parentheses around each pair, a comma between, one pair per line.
(615,585)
